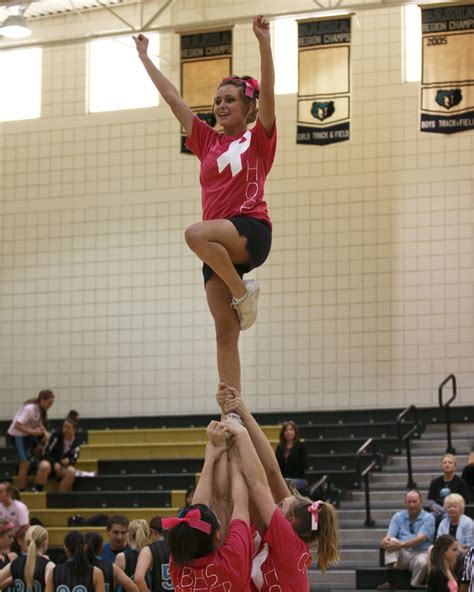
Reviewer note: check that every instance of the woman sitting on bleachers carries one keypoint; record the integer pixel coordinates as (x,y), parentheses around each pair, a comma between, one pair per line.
(139,536)
(456,523)
(291,455)
(30,571)
(76,573)
(60,455)
(114,576)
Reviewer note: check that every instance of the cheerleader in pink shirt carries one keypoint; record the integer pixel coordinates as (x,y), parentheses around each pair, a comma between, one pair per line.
(202,558)
(235,233)
(292,526)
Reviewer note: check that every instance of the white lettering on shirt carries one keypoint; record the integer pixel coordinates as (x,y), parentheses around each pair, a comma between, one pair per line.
(251,188)
(304,562)
(232,156)
(202,580)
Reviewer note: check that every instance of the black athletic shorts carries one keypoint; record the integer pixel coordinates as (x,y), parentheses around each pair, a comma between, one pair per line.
(259,241)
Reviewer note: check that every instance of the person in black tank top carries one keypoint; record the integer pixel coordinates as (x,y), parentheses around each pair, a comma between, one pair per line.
(152,570)
(114,576)
(30,570)
(139,536)
(76,573)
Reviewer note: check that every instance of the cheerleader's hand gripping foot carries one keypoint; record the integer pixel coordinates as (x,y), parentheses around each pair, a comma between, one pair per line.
(246,307)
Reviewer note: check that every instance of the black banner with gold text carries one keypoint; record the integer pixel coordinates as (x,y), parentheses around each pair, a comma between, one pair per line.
(447,81)
(206,58)
(324,81)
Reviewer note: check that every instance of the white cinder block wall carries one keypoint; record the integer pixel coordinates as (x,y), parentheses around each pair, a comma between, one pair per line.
(366,298)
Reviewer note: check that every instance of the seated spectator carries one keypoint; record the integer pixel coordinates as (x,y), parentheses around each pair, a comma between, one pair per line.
(443,486)
(410,533)
(456,523)
(27,429)
(60,455)
(291,455)
(444,556)
(117,531)
(12,509)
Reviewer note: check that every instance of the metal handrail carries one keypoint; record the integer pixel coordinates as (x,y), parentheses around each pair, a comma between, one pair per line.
(413,431)
(365,474)
(450,448)
(324,479)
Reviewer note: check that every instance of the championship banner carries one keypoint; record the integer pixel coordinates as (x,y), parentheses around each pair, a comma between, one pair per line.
(447,81)
(206,58)
(324,81)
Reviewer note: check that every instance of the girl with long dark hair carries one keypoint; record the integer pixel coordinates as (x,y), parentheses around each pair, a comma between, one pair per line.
(76,570)
(60,454)
(444,556)
(291,455)
(114,576)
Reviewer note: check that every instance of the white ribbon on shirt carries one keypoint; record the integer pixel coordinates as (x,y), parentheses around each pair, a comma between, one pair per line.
(257,562)
(233,153)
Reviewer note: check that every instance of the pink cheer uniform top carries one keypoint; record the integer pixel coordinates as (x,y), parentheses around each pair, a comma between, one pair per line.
(227,569)
(233,170)
(282,561)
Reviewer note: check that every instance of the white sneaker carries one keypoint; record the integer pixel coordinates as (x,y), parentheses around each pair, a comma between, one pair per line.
(246,310)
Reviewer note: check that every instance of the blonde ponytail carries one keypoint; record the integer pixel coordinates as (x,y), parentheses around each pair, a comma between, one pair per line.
(35,537)
(139,532)
(328,539)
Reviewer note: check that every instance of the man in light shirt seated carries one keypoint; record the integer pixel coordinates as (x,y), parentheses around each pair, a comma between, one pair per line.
(410,533)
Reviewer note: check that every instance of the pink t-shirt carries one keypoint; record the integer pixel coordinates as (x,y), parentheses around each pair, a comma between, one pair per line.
(227,569)
(282,562)
(233,170)
(29,415)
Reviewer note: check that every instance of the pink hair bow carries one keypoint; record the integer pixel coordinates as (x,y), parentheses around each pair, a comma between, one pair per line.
(193,518)
(251,86)
(314,509)
(7,526)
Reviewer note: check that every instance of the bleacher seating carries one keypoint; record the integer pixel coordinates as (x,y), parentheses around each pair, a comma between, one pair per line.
(143,466)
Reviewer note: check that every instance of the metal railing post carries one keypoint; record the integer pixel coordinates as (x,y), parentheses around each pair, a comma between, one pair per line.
(450,448)
(365,474)
(413,431)
(411,484)
(368,517)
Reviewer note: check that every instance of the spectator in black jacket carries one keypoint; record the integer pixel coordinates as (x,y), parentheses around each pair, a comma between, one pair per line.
(60,455)
(443,486)
(291,455)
